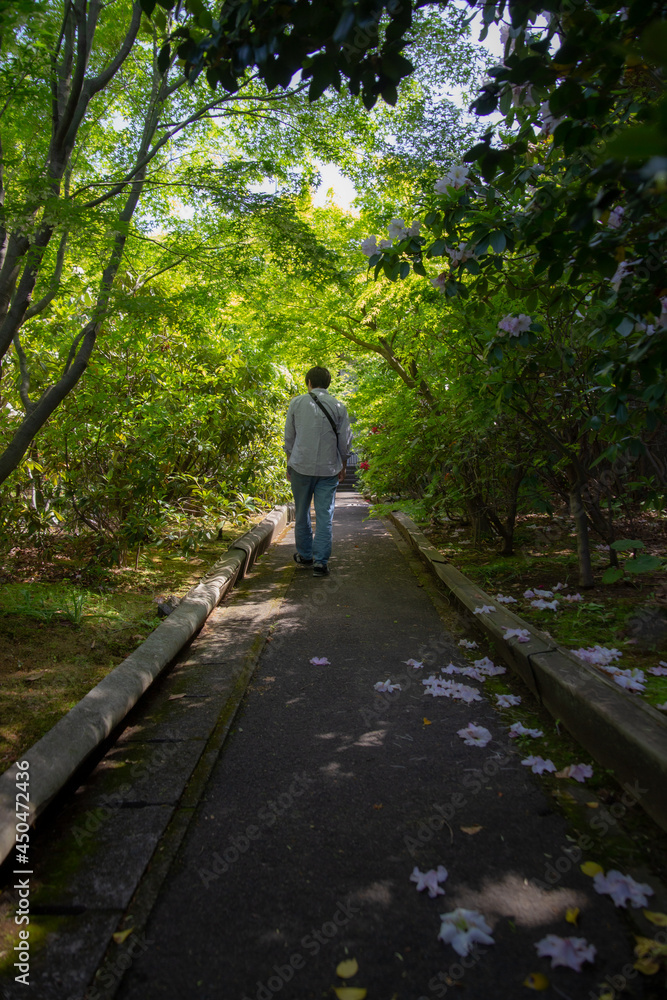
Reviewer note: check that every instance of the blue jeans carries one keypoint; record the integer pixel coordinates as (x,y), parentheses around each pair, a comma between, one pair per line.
(323,490)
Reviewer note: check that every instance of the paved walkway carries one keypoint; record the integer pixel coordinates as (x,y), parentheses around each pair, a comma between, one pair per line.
(298,849)
(326,797)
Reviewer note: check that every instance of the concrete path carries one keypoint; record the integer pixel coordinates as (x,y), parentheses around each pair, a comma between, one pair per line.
(326,797)
(292,849)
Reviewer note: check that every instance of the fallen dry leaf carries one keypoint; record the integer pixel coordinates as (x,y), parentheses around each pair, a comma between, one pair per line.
(377,805)
(593,805)
(572,915)
(175,697)
(656,918)
(591,868)
(121,936)
(348,968)
(536,981)
(350,992)
(647,966)
(471,829)
(427,722)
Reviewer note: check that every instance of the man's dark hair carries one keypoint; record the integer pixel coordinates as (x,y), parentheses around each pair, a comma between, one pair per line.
(319,378)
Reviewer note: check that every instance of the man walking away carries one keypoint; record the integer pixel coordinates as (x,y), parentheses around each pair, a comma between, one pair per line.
(317,444)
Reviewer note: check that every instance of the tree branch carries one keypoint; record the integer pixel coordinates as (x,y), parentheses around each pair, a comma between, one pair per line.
(40,306)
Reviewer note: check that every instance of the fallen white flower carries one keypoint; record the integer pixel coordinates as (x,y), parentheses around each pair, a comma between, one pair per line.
(451,668)
(570,952)
(658,671)
(622,888)
(520,634)
(598,656)
(439,688)
(631,680)
(415,664)
(578,771)
(542,605)
(507,700)
(572,597)
(462,692)
(463,928)
(484,610)
(539,765)
(430,880)
(474,673)
(518,729)
(505,600)
(467,644)
(386,686)
(320,661)
(486,666)
(474,736)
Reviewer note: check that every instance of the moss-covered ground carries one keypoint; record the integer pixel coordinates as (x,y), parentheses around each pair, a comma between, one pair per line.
(66,621)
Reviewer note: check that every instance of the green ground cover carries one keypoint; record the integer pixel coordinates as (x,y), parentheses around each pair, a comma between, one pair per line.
(66,621)
(611,615)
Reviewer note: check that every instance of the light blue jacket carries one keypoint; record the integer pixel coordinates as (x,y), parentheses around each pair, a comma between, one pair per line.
(310,442)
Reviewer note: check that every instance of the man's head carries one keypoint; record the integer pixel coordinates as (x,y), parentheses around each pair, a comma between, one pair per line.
(318,378)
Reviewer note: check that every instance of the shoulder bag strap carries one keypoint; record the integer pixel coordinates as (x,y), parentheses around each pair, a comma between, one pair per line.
(325,412)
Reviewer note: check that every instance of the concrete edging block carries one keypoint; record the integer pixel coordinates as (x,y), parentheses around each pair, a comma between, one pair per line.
(55,758)
(622,733)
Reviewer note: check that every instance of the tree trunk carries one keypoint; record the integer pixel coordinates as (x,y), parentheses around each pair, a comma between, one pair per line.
(578,512)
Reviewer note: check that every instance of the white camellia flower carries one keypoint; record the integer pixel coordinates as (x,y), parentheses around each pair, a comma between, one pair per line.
(369,246)
(518,729)
(622,888)
(579,772)
(515,325)
(458,175)
(440,281)
(507,700)
(474,735)
(631,680)
(520,634)
(455,177)
(623,270)
(430,880)
(386,686)
(571,952)
(397,230)
(463,928)
(616,217)
(539,765)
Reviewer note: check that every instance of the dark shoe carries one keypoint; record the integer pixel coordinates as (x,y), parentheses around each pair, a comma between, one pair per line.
(319,569)
(300,561)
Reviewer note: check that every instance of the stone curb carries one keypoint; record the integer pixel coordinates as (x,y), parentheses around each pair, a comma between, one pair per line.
(619,731)
(56,757)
